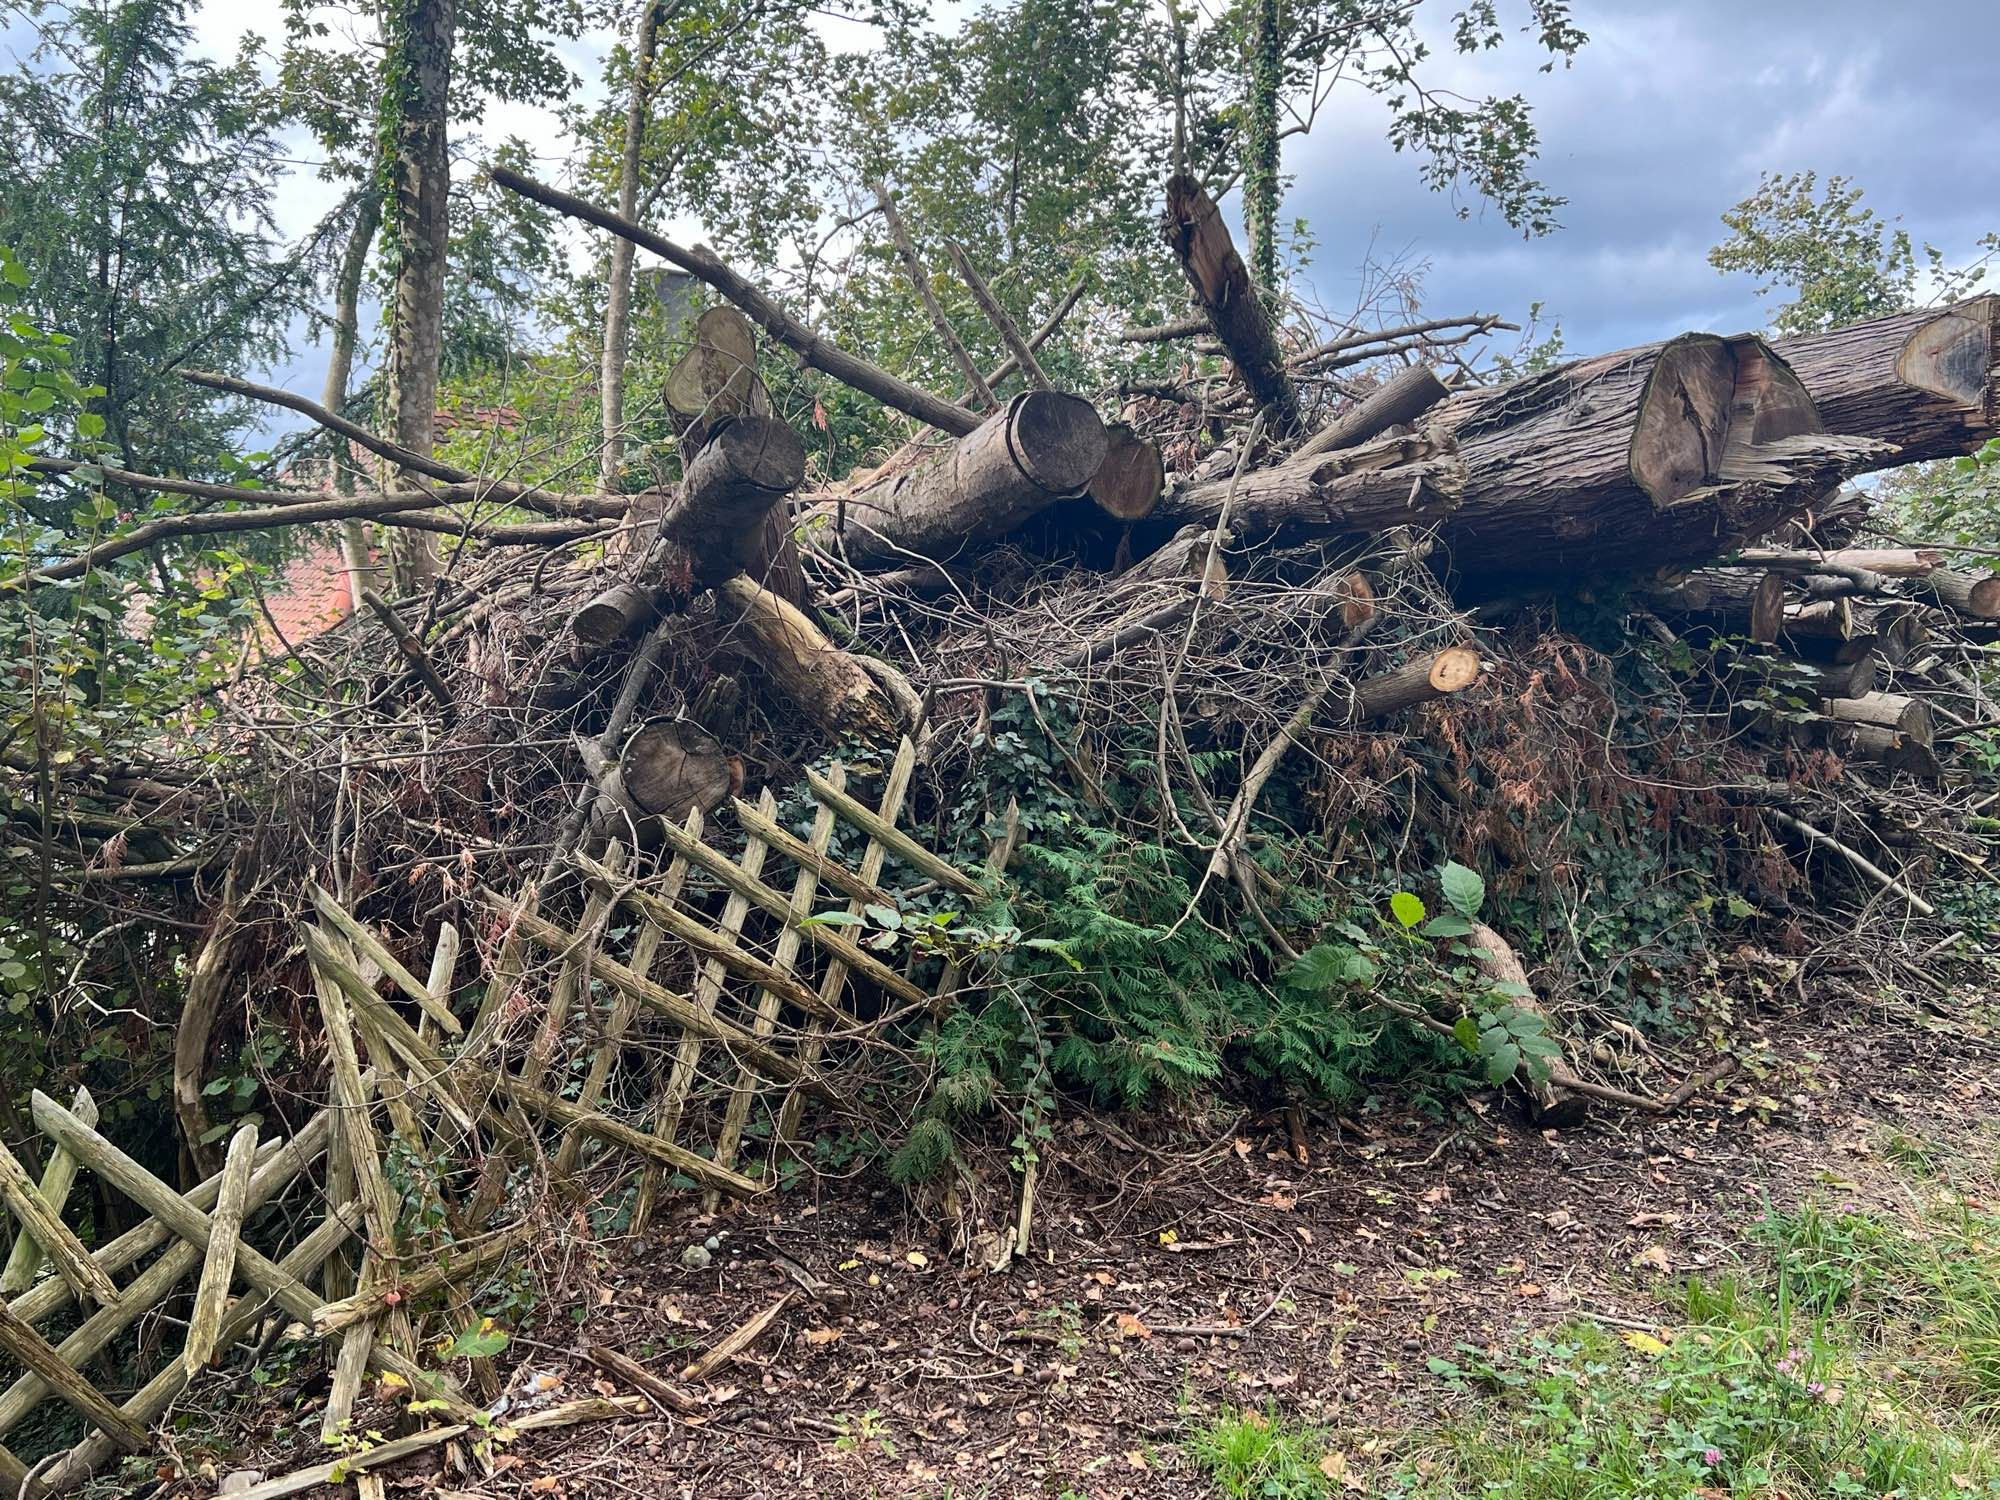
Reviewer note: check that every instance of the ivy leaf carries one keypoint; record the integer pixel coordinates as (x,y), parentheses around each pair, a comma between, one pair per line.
(1463,888)
(1406,908)
(884,916)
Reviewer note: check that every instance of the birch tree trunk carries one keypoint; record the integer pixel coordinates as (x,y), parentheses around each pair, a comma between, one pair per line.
(618,295)
(333,396)
(417,79)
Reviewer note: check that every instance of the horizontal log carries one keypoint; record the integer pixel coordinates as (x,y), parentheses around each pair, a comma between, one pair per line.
(1907,716)
(1038,448)
(1403,398)
(1928,382)
(1421,680)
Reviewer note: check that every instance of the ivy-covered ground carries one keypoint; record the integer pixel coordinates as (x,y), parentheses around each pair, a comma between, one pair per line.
(1789,1289)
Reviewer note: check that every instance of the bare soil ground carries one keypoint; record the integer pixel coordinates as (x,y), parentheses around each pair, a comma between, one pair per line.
(1195,1265)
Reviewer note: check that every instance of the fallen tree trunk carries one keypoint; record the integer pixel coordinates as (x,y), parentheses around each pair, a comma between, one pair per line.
(1041,446)
(1929,381)
(1651,457)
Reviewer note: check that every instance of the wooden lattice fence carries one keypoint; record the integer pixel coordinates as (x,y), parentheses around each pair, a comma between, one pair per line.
(549,1077)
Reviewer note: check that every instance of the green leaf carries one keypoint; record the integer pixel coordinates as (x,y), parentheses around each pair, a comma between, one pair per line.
(832,919)
(884,916)
(1501,1065)
(1462,888)
(1447,925)
(89,425)
(1406,908)
(1467,1031)
(477,1342)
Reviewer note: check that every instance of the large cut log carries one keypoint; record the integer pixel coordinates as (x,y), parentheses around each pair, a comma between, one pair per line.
(1651,457)
(1929,381)
(710,530)
(1910,717)
(667,768)
(1042,446)
(1745,603)
(806,669)
(1195,231)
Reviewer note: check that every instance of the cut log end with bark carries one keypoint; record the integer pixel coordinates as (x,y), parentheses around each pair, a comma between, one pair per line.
(1128,483)
(1043,446)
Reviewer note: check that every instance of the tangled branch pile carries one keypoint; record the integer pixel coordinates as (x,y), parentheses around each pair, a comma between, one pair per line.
(1213,682)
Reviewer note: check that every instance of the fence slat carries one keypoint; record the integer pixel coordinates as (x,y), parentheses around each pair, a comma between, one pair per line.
(372,948)
(72,1260)
(894,789)
(195,1226)
(277,1167)
(24,1261)
(573,979)
(38,1354)
(804,885)
(624,1009)
(218,1265)
(160,1392)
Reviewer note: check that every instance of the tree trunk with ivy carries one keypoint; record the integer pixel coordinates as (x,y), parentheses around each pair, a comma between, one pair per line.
(1260,152)
(416,149)
(339,371)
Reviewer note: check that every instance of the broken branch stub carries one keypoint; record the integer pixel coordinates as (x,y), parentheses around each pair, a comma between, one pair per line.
(1195,231)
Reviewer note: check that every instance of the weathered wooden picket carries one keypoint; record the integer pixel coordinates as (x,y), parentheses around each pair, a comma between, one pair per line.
(772,983)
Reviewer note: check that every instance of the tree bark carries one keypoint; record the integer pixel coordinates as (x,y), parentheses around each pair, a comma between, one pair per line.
(1659,456)
(709,531)
(416,101)
(361,571)
(1040,447)
(1928,381)
(1424,678)
(1195,232)
(618,293)
(1401,399)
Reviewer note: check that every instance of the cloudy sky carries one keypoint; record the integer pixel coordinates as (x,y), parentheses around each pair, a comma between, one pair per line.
(1666,118)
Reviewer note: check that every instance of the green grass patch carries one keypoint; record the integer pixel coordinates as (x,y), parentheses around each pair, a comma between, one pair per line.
(1263,1454)
(1854,1354)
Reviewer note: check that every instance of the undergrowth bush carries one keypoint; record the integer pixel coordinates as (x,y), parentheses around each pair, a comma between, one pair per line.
(1112,970)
